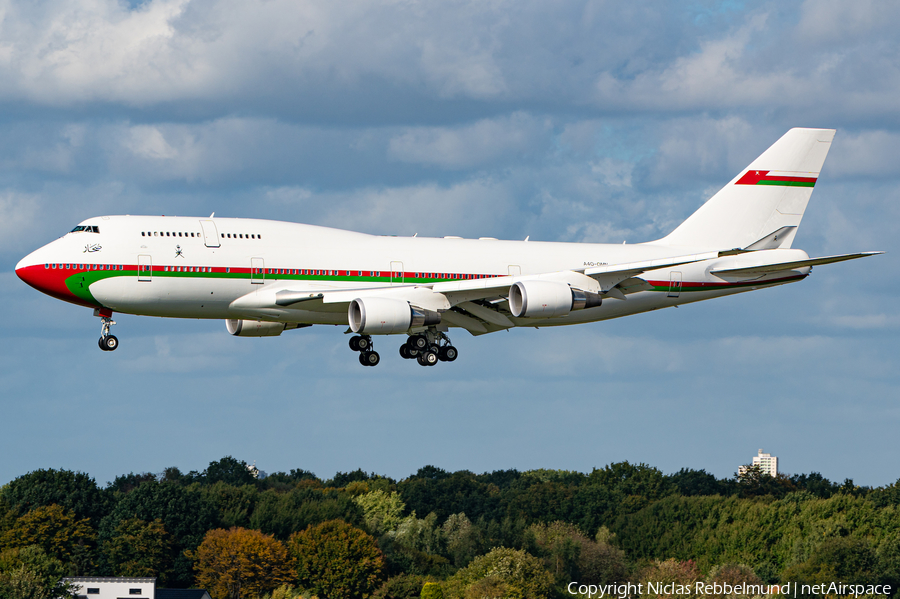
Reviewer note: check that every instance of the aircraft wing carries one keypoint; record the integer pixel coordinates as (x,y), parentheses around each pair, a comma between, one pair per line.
(750,272)
(477,305)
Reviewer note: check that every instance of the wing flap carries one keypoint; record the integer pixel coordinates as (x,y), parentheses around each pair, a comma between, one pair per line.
(765,269)
(611,275)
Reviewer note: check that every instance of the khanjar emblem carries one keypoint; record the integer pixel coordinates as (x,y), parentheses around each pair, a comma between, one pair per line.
(91,248)
(179,252)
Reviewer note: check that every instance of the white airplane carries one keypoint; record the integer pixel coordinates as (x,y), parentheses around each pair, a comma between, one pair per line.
(265,277)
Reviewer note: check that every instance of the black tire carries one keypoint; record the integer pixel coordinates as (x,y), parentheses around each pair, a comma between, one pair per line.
(372,358)
(418,342)
(429,358)
(404,352)
(421,360)
(362,359)
(354,343)
(111,342)
(102,344)
(364,343)
(450,353)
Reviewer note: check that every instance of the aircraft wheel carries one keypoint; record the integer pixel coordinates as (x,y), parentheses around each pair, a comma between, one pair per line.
(102,344)
(450,353)
(354,342)
(404,352)
(364,342)
(370,358)
(417,342)
(111,342)
(428,358)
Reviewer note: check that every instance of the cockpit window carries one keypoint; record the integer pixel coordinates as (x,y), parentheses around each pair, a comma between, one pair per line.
(86,229)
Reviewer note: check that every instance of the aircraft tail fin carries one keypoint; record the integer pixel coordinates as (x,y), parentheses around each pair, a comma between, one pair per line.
(762,207)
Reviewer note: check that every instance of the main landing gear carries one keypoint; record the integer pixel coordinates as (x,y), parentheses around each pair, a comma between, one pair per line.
(107,342)
(363,344)
(428,348)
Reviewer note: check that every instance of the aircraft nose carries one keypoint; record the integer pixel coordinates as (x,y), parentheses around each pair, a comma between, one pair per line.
(48,277)
(29,271)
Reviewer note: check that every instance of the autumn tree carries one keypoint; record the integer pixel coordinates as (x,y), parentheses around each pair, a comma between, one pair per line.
(336,560)
(684,574)
(58,532)
(239,562)
(139,549)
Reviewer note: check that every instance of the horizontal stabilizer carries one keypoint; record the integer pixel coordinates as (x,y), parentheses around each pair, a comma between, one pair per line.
(764,269)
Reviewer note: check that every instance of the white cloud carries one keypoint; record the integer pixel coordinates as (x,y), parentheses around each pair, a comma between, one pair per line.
(473,145)
(19,218)
(148,142)
(871,153)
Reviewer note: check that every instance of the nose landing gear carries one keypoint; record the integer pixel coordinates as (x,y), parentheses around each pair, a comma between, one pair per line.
(107,342)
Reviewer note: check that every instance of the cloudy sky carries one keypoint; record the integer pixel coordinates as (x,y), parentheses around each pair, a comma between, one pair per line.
(570,121)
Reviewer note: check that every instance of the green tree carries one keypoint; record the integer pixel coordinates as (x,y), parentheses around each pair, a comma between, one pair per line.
(139,549)
(431,590)
(282,514)
(229,471)
(128,482)
(570,555)
(502,572)
(239,562)
(402,586)
(75,491)
(184,512)
(234,504)
(463,539)
(416,546)
(844,559)
(382,511)
(337,560)
(29,573)
(753,482)
(699,482)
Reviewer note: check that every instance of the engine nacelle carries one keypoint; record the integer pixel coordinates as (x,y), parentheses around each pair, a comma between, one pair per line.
(254,328)
(387,316)
(547,299)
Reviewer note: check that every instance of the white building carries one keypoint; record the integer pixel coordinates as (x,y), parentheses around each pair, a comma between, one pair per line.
(768,464)
(114,587)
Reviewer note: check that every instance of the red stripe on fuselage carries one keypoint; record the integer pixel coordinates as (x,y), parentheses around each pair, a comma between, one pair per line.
(52,281)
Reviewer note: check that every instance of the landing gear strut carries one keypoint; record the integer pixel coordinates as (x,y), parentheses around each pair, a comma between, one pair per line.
(107,342)
(363,344)
(429,348)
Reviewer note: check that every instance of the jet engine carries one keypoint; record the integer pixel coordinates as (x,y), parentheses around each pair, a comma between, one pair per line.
(547,299)
(387,316)
(255,328)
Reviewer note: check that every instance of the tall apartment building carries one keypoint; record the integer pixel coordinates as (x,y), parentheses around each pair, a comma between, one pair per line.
(768,464)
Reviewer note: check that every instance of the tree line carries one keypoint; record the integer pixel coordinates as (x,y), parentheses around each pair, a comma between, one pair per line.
(441,534)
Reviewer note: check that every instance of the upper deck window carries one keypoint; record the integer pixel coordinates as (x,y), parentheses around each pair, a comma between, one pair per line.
(86,229)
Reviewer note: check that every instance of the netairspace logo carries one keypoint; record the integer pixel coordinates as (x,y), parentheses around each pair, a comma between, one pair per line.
(628,590)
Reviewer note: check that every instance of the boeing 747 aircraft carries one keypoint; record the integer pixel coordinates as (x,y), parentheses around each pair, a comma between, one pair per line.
(266,277)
